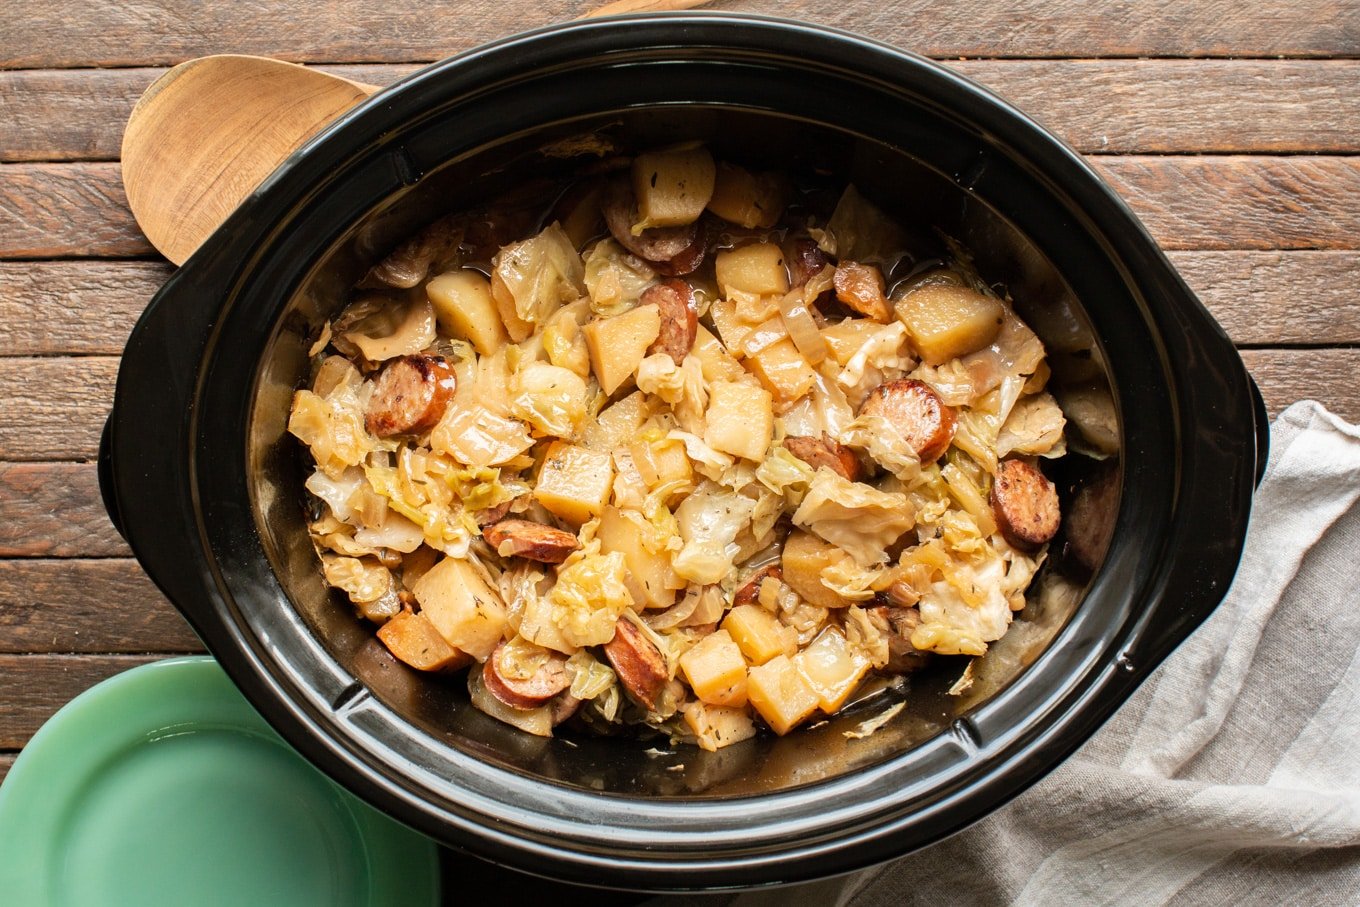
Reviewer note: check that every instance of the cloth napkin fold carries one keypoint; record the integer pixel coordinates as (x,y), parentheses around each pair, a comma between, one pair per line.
(1232,776)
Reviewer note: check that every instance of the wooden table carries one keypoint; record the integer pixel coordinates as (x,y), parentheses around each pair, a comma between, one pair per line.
(1231,129)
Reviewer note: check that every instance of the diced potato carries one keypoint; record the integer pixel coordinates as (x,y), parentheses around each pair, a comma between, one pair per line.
(617,345)
(411,637)
(618,424)
(716,362)
(574,482)
(780,694)
(464,309)
(661,462)
(846,337)
(783,370)
(536,625)
(462,606)
(515,326)
(805,557)
(564,344)
(753,270)
(715,727)
(759,634)
(747,199)
(672,187)
(832,668)
(650,579)
(945,321)
(731,328)
(740,419)
(716,670)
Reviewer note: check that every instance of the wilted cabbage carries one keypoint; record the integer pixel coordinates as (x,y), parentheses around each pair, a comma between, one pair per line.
(589,597)
(854,516)
(710,520)
(1034,428)
(706,460)
(541,274)
(785,474)
(550,398)
(681,386)
(380,327)
(860,231)
(615,278)
(475,436)
(885,445)
(822,410)
(951,625)
(363,581)
(881,357)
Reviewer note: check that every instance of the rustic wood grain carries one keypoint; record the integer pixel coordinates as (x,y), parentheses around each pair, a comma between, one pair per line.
(33,687)
(80,605)
(1242,202)
(1325,375)
(1278,298)
(66,210)
(146,32)
(1209,202)
(1097,106)
(54,510)
(55,408)
(6,760)
(81,307)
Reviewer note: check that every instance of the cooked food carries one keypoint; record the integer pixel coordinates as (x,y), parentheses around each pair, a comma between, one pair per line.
(691,455)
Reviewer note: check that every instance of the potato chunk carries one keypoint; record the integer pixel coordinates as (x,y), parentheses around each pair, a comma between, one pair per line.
(947,321)
(661,462)
(462,607)
(464,309)
(617,345)
(672,187)
(805,557)
(411,637)
(832,668)
(780,694)
(747,199)
(740,419)
(618,423)
(753,270)
(783,370)
(759,634)
(715,361)
(574,482)
(650,578)
(716,670)
(715,727)
(846,338)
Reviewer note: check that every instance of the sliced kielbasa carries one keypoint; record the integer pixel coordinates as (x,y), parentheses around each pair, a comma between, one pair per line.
(1025,504)
(818,452)
(806,261)
(679,317)
(914,409)
(551,678)
(638,663)
(409,396)
(527,539)
(671,250)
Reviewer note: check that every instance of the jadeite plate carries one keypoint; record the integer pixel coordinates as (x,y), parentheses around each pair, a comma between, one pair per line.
(163,786)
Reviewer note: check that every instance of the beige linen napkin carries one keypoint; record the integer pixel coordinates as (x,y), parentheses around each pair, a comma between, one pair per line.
(1232,776)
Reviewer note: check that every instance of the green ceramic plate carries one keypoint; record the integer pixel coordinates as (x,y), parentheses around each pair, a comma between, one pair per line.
(163,786)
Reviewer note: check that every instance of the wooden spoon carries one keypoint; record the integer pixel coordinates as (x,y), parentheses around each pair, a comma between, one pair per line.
(208,132)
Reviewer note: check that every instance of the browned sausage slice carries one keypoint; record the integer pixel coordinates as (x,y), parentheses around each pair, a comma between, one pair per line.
(806,262)
(818,452)
(689,259)
(1025,504)
(639,664)
(915,410)
(860,287)
(657,245)
(903,657)
(749,592)
(491,515)
(679,317)
(409,396)
(535,541)
(550,679)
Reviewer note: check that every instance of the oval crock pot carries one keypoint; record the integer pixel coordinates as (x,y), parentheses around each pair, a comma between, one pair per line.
(200,477)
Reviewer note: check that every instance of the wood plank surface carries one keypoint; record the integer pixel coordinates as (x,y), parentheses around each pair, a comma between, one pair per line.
(1191,202)
(32,687)
(6,760)
(55,407)
(54,510)
(1098,106)
(85,307)
(1326,375)
(34,34)
(81,605)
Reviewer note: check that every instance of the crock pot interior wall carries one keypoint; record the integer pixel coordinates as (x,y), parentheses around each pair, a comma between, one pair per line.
(916,195)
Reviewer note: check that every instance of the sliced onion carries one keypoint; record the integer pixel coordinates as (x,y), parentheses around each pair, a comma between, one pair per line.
(765,334)
(802,328)
(677,613)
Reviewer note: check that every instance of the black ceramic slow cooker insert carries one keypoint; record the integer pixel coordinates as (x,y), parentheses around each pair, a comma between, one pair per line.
(200,476)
